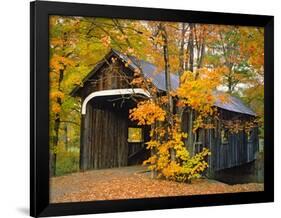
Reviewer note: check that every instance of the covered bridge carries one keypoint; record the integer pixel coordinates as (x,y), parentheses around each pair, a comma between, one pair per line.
(110,139)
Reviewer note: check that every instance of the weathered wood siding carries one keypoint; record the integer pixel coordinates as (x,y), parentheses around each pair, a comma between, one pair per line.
(104,139)
(104,127)
(237,151)
(110,76)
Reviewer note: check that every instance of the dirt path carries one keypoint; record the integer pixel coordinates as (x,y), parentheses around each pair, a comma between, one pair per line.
(131,182)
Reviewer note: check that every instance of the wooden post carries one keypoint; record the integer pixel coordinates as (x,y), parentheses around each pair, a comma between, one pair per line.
(82,165)
(190,146)
(65,137)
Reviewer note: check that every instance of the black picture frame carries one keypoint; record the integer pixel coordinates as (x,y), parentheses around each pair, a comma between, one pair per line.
(39,108)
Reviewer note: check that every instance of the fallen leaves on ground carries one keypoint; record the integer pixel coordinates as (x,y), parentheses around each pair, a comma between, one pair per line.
(132,182)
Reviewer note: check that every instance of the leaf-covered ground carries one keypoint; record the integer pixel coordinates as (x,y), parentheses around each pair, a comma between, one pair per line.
(132,182)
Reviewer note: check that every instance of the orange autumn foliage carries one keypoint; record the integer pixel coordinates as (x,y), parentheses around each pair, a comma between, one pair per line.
(147,113)
(198,93)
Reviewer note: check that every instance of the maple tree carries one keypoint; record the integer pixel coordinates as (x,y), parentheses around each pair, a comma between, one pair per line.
(170,157)
(195,92)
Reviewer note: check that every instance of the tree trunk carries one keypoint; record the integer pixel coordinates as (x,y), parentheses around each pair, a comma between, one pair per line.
(53,155)
(202,53)
(168,81)
(230,84)
(182,67)
(191,48)
(65,137)
(181,51)
(190,111)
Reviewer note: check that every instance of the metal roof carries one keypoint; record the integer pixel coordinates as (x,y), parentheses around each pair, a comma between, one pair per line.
(150,71)
(234,104)
(157,77)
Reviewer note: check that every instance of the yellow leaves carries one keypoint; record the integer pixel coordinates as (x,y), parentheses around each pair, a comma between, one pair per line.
(223,97)
(138,81)
(113,60)
(73,79)
(197,92)
(58,63)
(163,100)
(141,82)
(152,160)
(147,113)
(185,170)
(152,144)
(184,135)
(122,37)
(56,42)
(171,170)
(159,132)
(106,40)
(193,167)
(197,123)
(127,63)
(56,94)
(162,162)
(158,40)
(184,167)
(130,50)
(56,108)
(182,153)
(252,45)
(235,126)
(186,76)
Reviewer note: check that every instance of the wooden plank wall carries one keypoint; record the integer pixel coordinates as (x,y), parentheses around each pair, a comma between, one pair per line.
(104,132)
(108,77)
(237,151)
(105,139)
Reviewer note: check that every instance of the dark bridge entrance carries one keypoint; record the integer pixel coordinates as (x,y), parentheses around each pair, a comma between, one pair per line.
(108,137)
